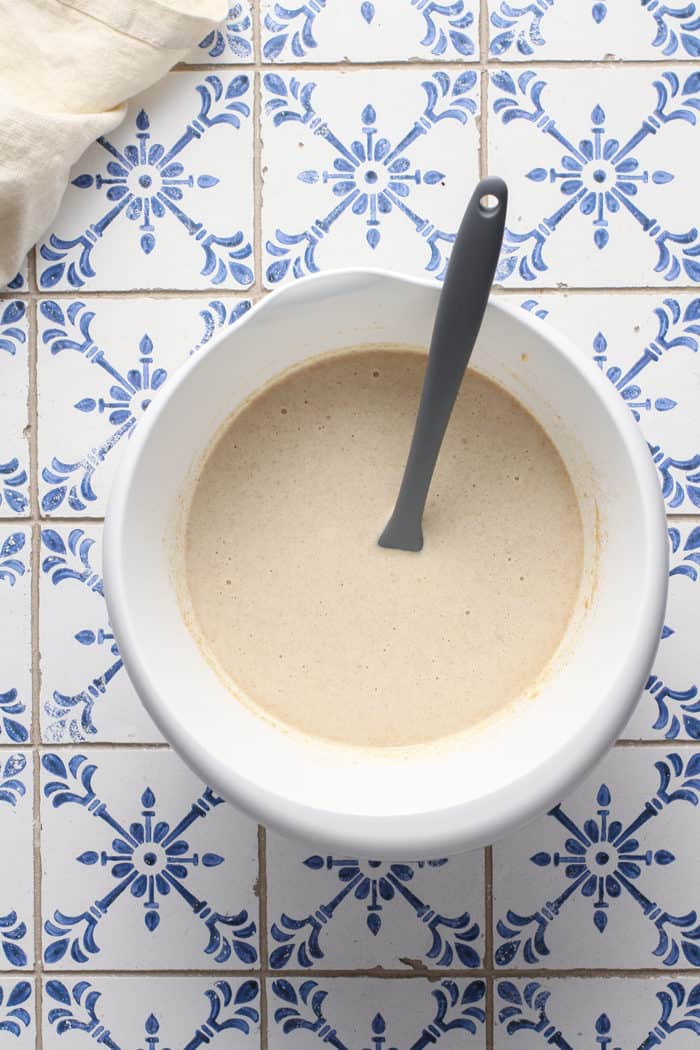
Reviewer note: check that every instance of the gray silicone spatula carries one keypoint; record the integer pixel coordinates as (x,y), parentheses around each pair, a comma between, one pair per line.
(460,311)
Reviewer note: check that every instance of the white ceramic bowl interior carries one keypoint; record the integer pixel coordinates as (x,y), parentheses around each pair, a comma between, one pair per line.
(394,803)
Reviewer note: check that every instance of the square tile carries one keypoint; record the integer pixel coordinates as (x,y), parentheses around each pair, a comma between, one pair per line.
(131,1012)
(670,705)
(17,883)
(167,200)
(16,633)
(356,1013)
(17,1021)
(579,1013)
(608,878)
(600,167)
(231,42)
(144,866)
(86,413)
(333,913)
(380,31)
(365,168)
(85,691)
(648,346)
(14,416)
(604,29)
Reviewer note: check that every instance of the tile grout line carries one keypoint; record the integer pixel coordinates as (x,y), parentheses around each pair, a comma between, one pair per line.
(442,63)
(257,291)
(483,94)
(35,663)
(488,946)
(257,288)
(262,913)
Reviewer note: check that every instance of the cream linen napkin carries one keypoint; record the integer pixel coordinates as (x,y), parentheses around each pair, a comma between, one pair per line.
(66,69)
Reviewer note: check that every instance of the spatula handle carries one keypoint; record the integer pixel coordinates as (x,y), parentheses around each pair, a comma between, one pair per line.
(459,315)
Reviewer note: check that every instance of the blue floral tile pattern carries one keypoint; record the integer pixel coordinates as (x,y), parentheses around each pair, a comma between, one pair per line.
(573,1013)
(648,348)
(336,912)
(16,634)
(17,1026)
(14,377)
(606,878)
(229,43)
(166,200)
(141,857)
(87,414)
(365,168)
(364,31)
(85,691)
(670,704)
(16,886)
(600,188)
(366,1014)
(177,1013)
(601,29)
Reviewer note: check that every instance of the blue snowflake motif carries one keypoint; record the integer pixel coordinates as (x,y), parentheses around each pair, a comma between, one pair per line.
(601,857)
(149,859)
(369,177)
(372,175)
(145,180)
(596,172)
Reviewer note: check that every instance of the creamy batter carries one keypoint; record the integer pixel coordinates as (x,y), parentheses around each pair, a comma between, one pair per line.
(323,630)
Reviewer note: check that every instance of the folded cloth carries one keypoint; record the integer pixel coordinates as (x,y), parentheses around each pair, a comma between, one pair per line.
(66,69)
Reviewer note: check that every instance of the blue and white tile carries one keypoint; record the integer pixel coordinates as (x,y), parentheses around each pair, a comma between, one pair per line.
(670,704)
(608,878)
(577,1013)
(16,634)
(376,31)
(648,346)
(87,414)
(359,1012)
(166,201)
(143,866)
(231,42)
(365,168)
(602,29)
(85,691)
(14,380)
(17,884)
(601,164)
(130,1012)
(336,912)
(17,1020)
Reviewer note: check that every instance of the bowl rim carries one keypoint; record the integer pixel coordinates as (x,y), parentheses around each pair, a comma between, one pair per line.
(470,823)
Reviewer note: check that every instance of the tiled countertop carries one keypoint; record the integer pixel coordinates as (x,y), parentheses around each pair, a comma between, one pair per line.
(300,138)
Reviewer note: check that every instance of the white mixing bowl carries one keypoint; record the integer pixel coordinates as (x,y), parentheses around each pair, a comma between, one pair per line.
(394,803)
